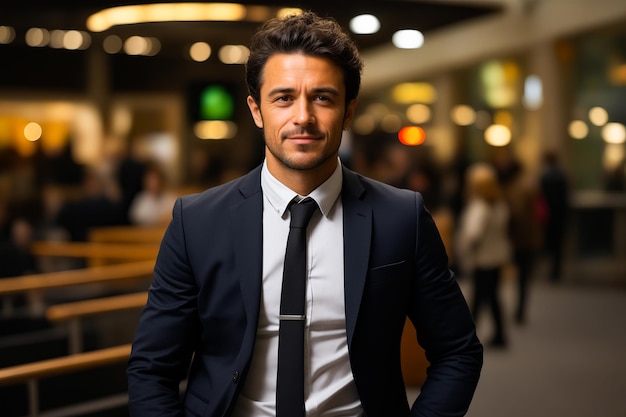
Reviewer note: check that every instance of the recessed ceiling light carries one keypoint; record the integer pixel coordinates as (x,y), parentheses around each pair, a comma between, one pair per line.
(365,24)
(408,39)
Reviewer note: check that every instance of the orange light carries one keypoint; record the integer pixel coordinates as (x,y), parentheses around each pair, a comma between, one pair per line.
(411,135)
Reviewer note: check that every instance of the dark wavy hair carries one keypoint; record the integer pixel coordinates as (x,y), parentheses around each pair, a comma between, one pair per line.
(308,34)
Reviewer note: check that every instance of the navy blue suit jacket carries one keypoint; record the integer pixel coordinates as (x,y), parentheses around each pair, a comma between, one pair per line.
(201,317)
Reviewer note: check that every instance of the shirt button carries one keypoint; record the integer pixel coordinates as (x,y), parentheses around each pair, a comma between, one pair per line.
(235,376)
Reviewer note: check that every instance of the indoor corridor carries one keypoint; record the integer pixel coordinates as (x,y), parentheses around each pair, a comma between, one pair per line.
(566,361)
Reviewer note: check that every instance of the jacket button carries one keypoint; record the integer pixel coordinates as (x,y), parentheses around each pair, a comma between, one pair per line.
(235,376)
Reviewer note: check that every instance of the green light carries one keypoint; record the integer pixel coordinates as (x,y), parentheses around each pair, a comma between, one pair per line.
(216,103)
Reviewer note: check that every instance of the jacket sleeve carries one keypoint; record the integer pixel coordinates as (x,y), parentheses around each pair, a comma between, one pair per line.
(444,327)
(167,330)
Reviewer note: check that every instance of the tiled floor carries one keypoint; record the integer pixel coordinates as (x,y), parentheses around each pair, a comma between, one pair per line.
(569,360)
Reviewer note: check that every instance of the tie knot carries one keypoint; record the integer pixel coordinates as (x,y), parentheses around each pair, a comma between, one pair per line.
(301,212)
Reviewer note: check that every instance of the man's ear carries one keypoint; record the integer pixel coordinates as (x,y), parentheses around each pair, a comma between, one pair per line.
(255,110)
(350,109)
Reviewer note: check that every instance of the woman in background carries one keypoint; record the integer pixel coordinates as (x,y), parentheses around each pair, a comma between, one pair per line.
(483,243)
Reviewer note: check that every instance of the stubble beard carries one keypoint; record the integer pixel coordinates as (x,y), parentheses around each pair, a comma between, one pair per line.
(302,164)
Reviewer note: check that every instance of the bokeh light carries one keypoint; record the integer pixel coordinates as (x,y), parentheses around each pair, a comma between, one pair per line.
(32,131)
(215,129)
(498,135)
(200,51)
(234,54)
(463,115)
(418,113)
(412,135)
(598,116)
(578,129)
(364,24)
(37,37)
(408,39)
(7,34)
(614,133)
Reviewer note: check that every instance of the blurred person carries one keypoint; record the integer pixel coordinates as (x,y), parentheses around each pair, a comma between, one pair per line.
(16,257)
(99,204)
(555,194)
(374,258)
(152,206)
(522,194)
(483,243)
(130,174)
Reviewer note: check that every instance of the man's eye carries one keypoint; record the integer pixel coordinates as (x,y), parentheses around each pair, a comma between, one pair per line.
(283,98)
(322,98)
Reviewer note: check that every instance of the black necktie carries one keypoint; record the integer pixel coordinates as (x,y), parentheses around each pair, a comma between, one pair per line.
(290,384)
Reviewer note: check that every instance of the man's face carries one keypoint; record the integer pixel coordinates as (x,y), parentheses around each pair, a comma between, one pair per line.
(302,112)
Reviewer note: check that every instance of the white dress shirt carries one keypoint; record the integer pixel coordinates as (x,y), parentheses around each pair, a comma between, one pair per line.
(329,384)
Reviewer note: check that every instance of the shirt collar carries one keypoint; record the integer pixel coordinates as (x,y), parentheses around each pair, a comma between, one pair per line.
(279,195)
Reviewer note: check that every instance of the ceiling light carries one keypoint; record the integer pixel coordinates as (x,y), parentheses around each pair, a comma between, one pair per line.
(7,34)
(37,37)
(288,11)
(200,51)
(139,45)
(364,24)
(408,39)
(165,12)
(74,39)
(234,54)
(56,38)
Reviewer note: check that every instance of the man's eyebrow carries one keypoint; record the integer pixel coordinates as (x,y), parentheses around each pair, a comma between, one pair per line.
(280,90)
(288,90)
(328,90)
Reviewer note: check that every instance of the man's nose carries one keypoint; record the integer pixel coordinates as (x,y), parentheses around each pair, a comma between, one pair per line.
(303,114)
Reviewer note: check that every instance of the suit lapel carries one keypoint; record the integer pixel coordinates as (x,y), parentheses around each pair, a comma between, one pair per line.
(357,225)
(247,224)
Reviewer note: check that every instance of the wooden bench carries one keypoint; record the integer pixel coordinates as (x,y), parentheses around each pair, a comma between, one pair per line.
(73,312)
(66,364)
(97,274)
(127,234)
(121,277)
(96,253)
(31,373)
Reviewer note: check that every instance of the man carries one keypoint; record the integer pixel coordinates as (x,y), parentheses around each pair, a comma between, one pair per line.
(374,259)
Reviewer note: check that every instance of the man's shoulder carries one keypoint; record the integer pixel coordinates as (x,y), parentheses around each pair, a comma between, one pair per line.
(375,190)
(226,193)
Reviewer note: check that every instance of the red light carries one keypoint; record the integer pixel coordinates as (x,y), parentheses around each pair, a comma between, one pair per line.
(411,135)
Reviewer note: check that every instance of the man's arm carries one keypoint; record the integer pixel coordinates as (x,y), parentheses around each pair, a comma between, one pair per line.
(167,331)
(445,329)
